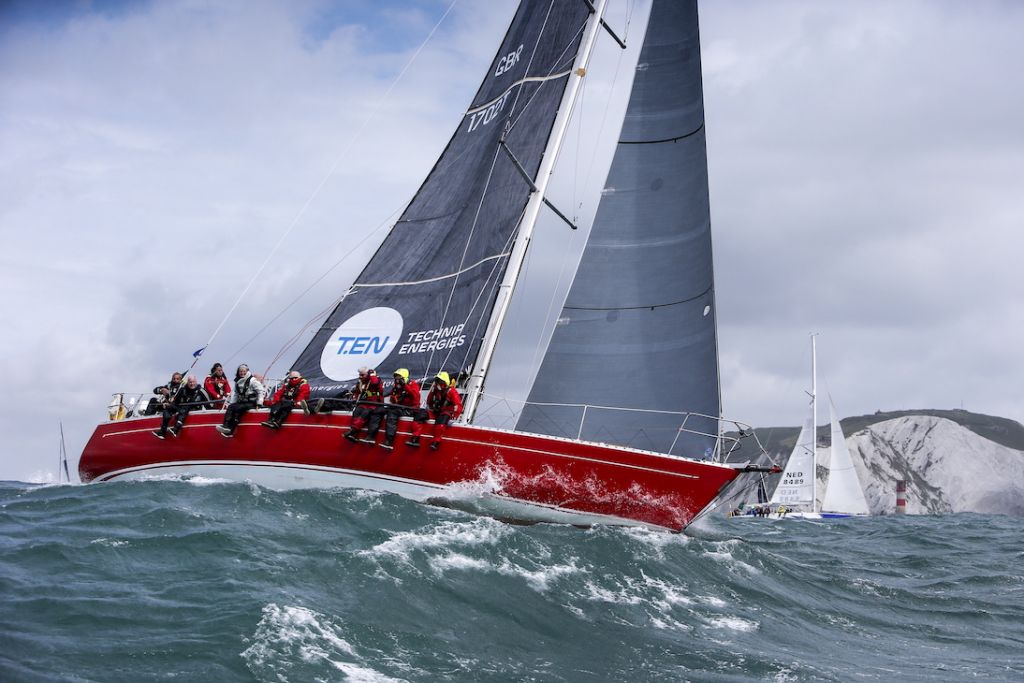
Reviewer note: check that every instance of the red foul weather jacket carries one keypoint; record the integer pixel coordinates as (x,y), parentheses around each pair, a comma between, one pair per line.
(293,390)
(446,401)
(407,396)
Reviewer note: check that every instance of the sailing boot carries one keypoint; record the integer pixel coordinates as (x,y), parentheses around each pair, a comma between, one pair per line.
(351,436)
(306,409)
(224,431)
(413,442)
(175,430)
(270,423)
(435,444)
(388,444)
(159,434)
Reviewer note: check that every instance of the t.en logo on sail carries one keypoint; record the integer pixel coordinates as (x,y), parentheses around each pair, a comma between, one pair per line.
(362,345)
(367,338)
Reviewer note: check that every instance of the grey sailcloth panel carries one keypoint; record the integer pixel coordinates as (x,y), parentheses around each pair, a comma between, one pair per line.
(638,327)
(424,299)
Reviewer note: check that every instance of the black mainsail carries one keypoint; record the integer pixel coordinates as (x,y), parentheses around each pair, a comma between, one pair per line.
(425,298)
(637,332)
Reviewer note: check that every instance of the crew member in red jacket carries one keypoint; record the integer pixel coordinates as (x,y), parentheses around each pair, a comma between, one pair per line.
(218,387)
(293,390)
(443,405)
(368,394)
(404,401)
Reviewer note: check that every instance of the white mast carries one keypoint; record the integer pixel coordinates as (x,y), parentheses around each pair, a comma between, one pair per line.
(518,253)
(814,424)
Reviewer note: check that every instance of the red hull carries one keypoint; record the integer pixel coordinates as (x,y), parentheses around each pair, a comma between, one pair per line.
(558,475)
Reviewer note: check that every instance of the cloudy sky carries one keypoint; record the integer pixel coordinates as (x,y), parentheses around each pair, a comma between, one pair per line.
(866,164)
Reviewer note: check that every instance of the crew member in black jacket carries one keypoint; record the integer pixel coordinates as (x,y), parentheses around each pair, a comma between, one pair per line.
(179,404)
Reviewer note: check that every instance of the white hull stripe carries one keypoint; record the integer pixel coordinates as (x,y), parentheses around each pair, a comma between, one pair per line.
(450,439)
(552,511)
(254,463)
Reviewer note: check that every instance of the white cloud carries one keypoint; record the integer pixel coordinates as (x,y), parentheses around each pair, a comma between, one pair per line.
(865,167)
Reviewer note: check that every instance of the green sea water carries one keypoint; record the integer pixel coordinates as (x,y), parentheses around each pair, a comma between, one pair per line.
(213,581)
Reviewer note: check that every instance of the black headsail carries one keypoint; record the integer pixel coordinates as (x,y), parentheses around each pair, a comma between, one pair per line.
(637,332)
(424,299)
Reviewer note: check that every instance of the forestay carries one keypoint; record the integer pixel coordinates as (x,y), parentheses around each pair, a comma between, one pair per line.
(424,299)
(637,332)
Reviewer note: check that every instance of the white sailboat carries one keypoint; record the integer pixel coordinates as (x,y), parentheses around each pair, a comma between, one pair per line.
(796,494)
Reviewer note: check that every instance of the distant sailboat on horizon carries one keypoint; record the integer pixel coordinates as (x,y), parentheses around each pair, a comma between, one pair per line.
(796,493)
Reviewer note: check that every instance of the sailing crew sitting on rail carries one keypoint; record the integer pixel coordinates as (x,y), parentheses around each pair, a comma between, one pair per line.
(293,390)
(369,394)
(443,405)
(403,401)
(248,395)
(217,386)
(187,398)
(164,392)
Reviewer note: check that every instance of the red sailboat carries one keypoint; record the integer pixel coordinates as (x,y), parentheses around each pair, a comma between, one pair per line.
(623,422)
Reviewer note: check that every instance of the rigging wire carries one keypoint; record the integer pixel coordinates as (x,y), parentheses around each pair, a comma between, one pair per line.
(542,338)
(490,287)
(385,223)
(330,173)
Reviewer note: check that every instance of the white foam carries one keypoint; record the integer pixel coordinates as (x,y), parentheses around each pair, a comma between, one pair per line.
(670,595)
(734,623)
(290,635)
(722,552)
(669,624)
(446,534)
(458,562)
(372,498)
(618,597)
(289,632)
(541,578)
(108,542)
(362,674)
(656,539)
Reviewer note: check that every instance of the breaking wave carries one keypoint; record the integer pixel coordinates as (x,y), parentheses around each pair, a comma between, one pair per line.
(199,579)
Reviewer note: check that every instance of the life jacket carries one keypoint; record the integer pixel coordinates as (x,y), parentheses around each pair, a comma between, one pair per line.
(292,390)
(445,401)
(407,394)
(170,386)
(217,387)
(372,390)
(242,387)
(194,398)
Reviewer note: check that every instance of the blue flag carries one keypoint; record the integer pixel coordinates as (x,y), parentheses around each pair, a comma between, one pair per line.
(198,352)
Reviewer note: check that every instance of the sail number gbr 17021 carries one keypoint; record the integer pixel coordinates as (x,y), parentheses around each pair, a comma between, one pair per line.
(485,116)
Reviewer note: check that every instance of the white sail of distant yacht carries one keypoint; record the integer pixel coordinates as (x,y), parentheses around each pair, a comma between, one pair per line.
(796,493)
(843,493)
